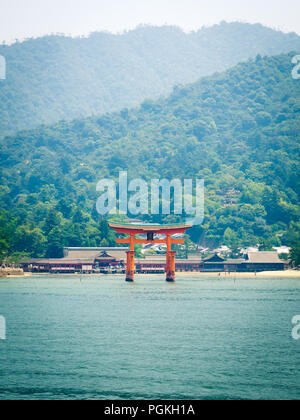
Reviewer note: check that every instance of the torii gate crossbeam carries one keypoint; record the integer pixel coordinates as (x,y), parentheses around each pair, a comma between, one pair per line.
(150,231)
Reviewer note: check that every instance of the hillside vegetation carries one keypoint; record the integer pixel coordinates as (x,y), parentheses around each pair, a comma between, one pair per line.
(238,130)
(58,77)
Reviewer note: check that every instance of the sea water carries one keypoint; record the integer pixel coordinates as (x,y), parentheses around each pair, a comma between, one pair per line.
(96,337)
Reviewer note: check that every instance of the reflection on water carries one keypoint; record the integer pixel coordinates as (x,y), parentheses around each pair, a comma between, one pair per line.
(100,338)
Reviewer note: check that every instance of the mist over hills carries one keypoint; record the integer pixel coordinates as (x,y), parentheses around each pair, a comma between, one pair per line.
(239,130)
(58,77)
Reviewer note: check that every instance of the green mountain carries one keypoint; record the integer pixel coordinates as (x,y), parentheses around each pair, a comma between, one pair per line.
(57,77)
(239,130)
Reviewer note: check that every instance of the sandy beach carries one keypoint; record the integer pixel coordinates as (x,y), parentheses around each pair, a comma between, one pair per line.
(11,272)
(271,274)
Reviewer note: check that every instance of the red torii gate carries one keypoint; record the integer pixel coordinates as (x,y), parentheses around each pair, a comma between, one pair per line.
(150,231)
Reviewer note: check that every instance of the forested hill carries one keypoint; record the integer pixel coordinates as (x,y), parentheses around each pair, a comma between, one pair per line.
(57,77)
(238,130)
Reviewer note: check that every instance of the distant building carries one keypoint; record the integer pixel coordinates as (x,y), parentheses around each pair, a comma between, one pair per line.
(216,263)
(158,265)
(222,250)
(85,260)
(88,260)
(282,250)
(253,262)
(264,261)
(250,249)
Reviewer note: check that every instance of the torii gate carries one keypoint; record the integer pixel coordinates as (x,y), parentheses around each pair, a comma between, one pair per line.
(150,231)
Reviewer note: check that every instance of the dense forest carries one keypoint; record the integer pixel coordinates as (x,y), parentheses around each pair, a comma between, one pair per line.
(58,77)
(239,130)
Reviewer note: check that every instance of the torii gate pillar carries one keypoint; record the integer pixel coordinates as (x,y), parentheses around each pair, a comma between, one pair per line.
(130,267)
(170,261)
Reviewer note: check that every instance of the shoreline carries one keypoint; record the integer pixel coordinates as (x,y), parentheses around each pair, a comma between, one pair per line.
(264,274)
(11,272)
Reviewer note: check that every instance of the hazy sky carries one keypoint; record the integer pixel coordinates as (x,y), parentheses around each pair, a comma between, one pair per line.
(27,18)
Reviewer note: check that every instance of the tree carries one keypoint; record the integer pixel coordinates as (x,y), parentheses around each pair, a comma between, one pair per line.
(232,241)
(104,243)
(55,244)
(4,247)
(295,254)
(30,241)
(8,226)
(270,201)
(52,221)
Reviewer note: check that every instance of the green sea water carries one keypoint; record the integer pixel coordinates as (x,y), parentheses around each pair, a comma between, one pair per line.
(72,337)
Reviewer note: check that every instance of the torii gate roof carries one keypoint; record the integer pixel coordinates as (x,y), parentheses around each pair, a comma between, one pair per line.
(142,229)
